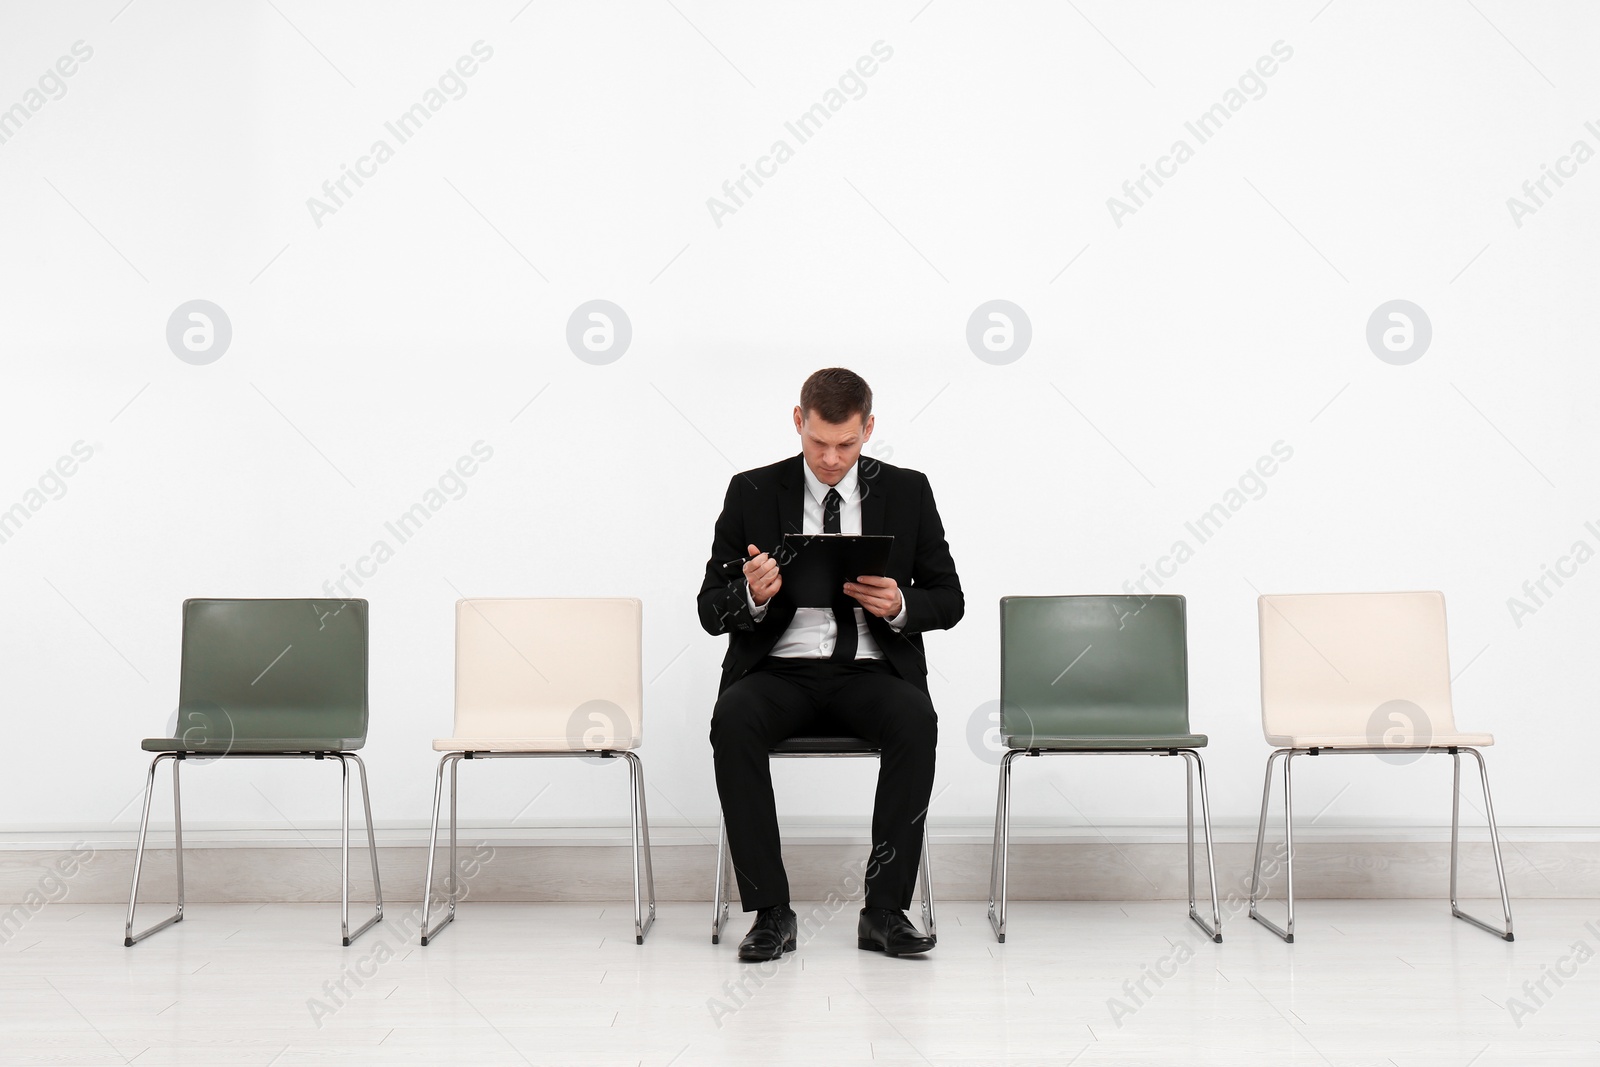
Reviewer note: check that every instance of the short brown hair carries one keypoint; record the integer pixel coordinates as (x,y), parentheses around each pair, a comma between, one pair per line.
(836,394)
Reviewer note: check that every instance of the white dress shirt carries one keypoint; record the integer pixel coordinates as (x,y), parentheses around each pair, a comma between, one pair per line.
(813,631)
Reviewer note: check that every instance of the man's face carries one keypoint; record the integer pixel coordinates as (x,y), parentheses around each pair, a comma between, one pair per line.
(831,448)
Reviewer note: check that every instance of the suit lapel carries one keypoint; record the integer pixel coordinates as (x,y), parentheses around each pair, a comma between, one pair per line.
(791,513)
(870,486)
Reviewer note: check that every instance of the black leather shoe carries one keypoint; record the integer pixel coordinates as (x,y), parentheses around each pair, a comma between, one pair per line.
(771,935)
(888,931)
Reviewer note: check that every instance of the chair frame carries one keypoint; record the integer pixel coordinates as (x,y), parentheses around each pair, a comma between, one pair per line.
(1286,932)
(720,895)
(999,859)
(129,938)
(643,917)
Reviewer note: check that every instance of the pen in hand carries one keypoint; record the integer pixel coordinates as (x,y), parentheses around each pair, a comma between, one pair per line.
(761,572)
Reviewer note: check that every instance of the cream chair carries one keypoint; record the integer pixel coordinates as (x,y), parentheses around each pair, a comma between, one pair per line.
(546,678)
(1361,673)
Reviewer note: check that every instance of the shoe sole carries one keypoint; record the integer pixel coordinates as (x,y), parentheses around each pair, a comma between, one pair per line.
(788,946)
(874,946)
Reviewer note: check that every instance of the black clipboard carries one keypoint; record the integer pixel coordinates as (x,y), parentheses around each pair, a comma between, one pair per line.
(816,566)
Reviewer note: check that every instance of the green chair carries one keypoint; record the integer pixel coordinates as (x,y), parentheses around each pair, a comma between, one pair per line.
(267,679)
(1096,675)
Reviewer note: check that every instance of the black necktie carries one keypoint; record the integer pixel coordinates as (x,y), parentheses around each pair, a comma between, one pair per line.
(844,608)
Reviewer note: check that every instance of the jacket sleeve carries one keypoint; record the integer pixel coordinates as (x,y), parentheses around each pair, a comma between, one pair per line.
(934,600)
(722,603)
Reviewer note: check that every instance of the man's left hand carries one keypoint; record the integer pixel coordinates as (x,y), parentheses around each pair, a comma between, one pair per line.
(880,596)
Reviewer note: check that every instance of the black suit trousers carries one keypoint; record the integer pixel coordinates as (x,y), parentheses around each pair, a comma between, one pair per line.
(783,698)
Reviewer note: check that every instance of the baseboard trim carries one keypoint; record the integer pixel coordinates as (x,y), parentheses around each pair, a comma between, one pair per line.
(550,871)
(607,834)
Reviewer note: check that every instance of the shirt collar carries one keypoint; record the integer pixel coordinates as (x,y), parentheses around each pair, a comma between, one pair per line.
(819,491)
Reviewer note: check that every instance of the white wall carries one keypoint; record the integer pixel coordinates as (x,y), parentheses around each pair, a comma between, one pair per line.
(368,353)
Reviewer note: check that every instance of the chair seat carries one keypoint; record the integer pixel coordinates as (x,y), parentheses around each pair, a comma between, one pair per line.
(1347,741)
(532,744)
(823,746)
(253,745)
(1101,743)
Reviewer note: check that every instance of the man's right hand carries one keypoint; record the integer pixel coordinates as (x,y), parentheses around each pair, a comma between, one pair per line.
(761,572)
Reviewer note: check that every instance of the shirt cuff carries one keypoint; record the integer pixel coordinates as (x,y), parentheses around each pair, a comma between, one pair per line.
(899,621)
(758,613)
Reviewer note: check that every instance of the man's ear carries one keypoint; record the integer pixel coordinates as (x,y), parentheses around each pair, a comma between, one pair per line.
(866,431)
(799,419)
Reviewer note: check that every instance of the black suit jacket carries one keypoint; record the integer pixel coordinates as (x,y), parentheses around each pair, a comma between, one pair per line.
(764,504)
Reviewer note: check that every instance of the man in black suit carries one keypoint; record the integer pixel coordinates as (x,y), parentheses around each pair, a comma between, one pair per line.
(855,669)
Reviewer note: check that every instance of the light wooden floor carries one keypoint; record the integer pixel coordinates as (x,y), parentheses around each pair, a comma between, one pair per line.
(1369,982)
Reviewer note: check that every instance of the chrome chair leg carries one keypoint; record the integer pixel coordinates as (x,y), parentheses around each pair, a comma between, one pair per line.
(129,938)
(642,919)
(649,865)
(1494,839)
(1195,767)
(1286,932)
(719,903)
(344,851)
(1261,834)
(430,932)
(1455,826)
(999,861)
(633,831)
(1188,801)
(1288,845)
(344,759)
(929,927)
(994,848)
(372,836)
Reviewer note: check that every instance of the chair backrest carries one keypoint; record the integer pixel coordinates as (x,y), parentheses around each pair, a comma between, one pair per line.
(274,669)
(566,671)
(1336,664)
(1087,666)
